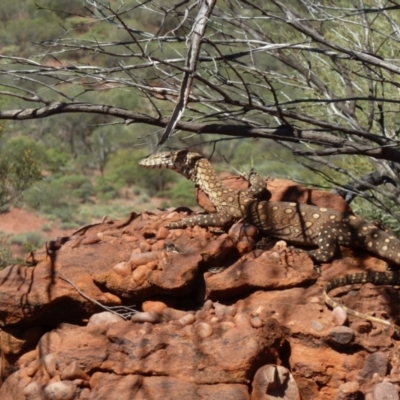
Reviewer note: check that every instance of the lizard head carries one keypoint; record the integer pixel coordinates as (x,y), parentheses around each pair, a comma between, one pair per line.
(181,161)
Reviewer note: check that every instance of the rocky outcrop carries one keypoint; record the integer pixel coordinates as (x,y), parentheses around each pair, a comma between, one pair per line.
(128,309)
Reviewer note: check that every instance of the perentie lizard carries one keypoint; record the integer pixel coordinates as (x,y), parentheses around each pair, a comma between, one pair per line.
(296,223)
(300,224)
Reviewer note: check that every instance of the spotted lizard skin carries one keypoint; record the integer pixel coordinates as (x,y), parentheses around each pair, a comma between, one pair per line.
(377,278)
(230,204)
(307,225)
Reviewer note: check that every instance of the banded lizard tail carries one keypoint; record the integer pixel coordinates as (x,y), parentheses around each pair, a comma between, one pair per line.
(377,278)
(230,204)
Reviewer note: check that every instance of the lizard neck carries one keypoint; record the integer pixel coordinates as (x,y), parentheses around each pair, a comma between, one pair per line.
(205,178)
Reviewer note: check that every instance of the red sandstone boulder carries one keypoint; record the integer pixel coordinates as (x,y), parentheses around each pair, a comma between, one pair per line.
(129,309)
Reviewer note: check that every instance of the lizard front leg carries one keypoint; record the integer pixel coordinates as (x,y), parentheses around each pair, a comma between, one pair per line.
(203,220)
(328,248)
(257,185)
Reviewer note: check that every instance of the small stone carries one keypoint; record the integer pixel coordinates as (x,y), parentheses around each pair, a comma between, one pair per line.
(242,319)
(33,367)
(32,391)
(385,391)
(105,317)
(63,390)
(341,335)
(72,371)
(220,309)
(188,319)
(123,268)
(49,363)
(207,305)
(158,245)
(151,317)
(203,329)
(162,233)
(171,314)
(142,258)
(274,382)
(227,325)
(144,247)
(231,310)
(157,306)
(339,315)
(314,300)
(376,363)
(317,326)
(140,274)
(256,322)
(348,391)
(91,240)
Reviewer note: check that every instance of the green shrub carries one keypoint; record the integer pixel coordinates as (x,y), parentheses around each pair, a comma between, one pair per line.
(17,172)
(107,188)
(6,257)
(78,186)
(59,197)
(30,241)
(182,193)
(57,159)
(124,167)
(46,228)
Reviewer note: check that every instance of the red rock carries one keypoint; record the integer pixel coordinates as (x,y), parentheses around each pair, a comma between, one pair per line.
(250,273)
(109,387)
(274,382)
(155,306)
(270,311)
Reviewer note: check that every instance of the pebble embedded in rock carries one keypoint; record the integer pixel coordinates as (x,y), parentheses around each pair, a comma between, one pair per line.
(207,305)
(188,319)
(72,371)
(203,329)
(385,391)
(151,305)
(63,390)
(151,317)
(375,363)
(220,309)
(49,363)
(105,317)
(274,382)
(341,335)
(256,322)
(317,326)
(339,315)
(123,268)
(32,391)
(171,314)
(142,258)
(140,274)
(348,391)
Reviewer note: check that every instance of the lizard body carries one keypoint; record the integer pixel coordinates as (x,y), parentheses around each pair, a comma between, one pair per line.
(377,278)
